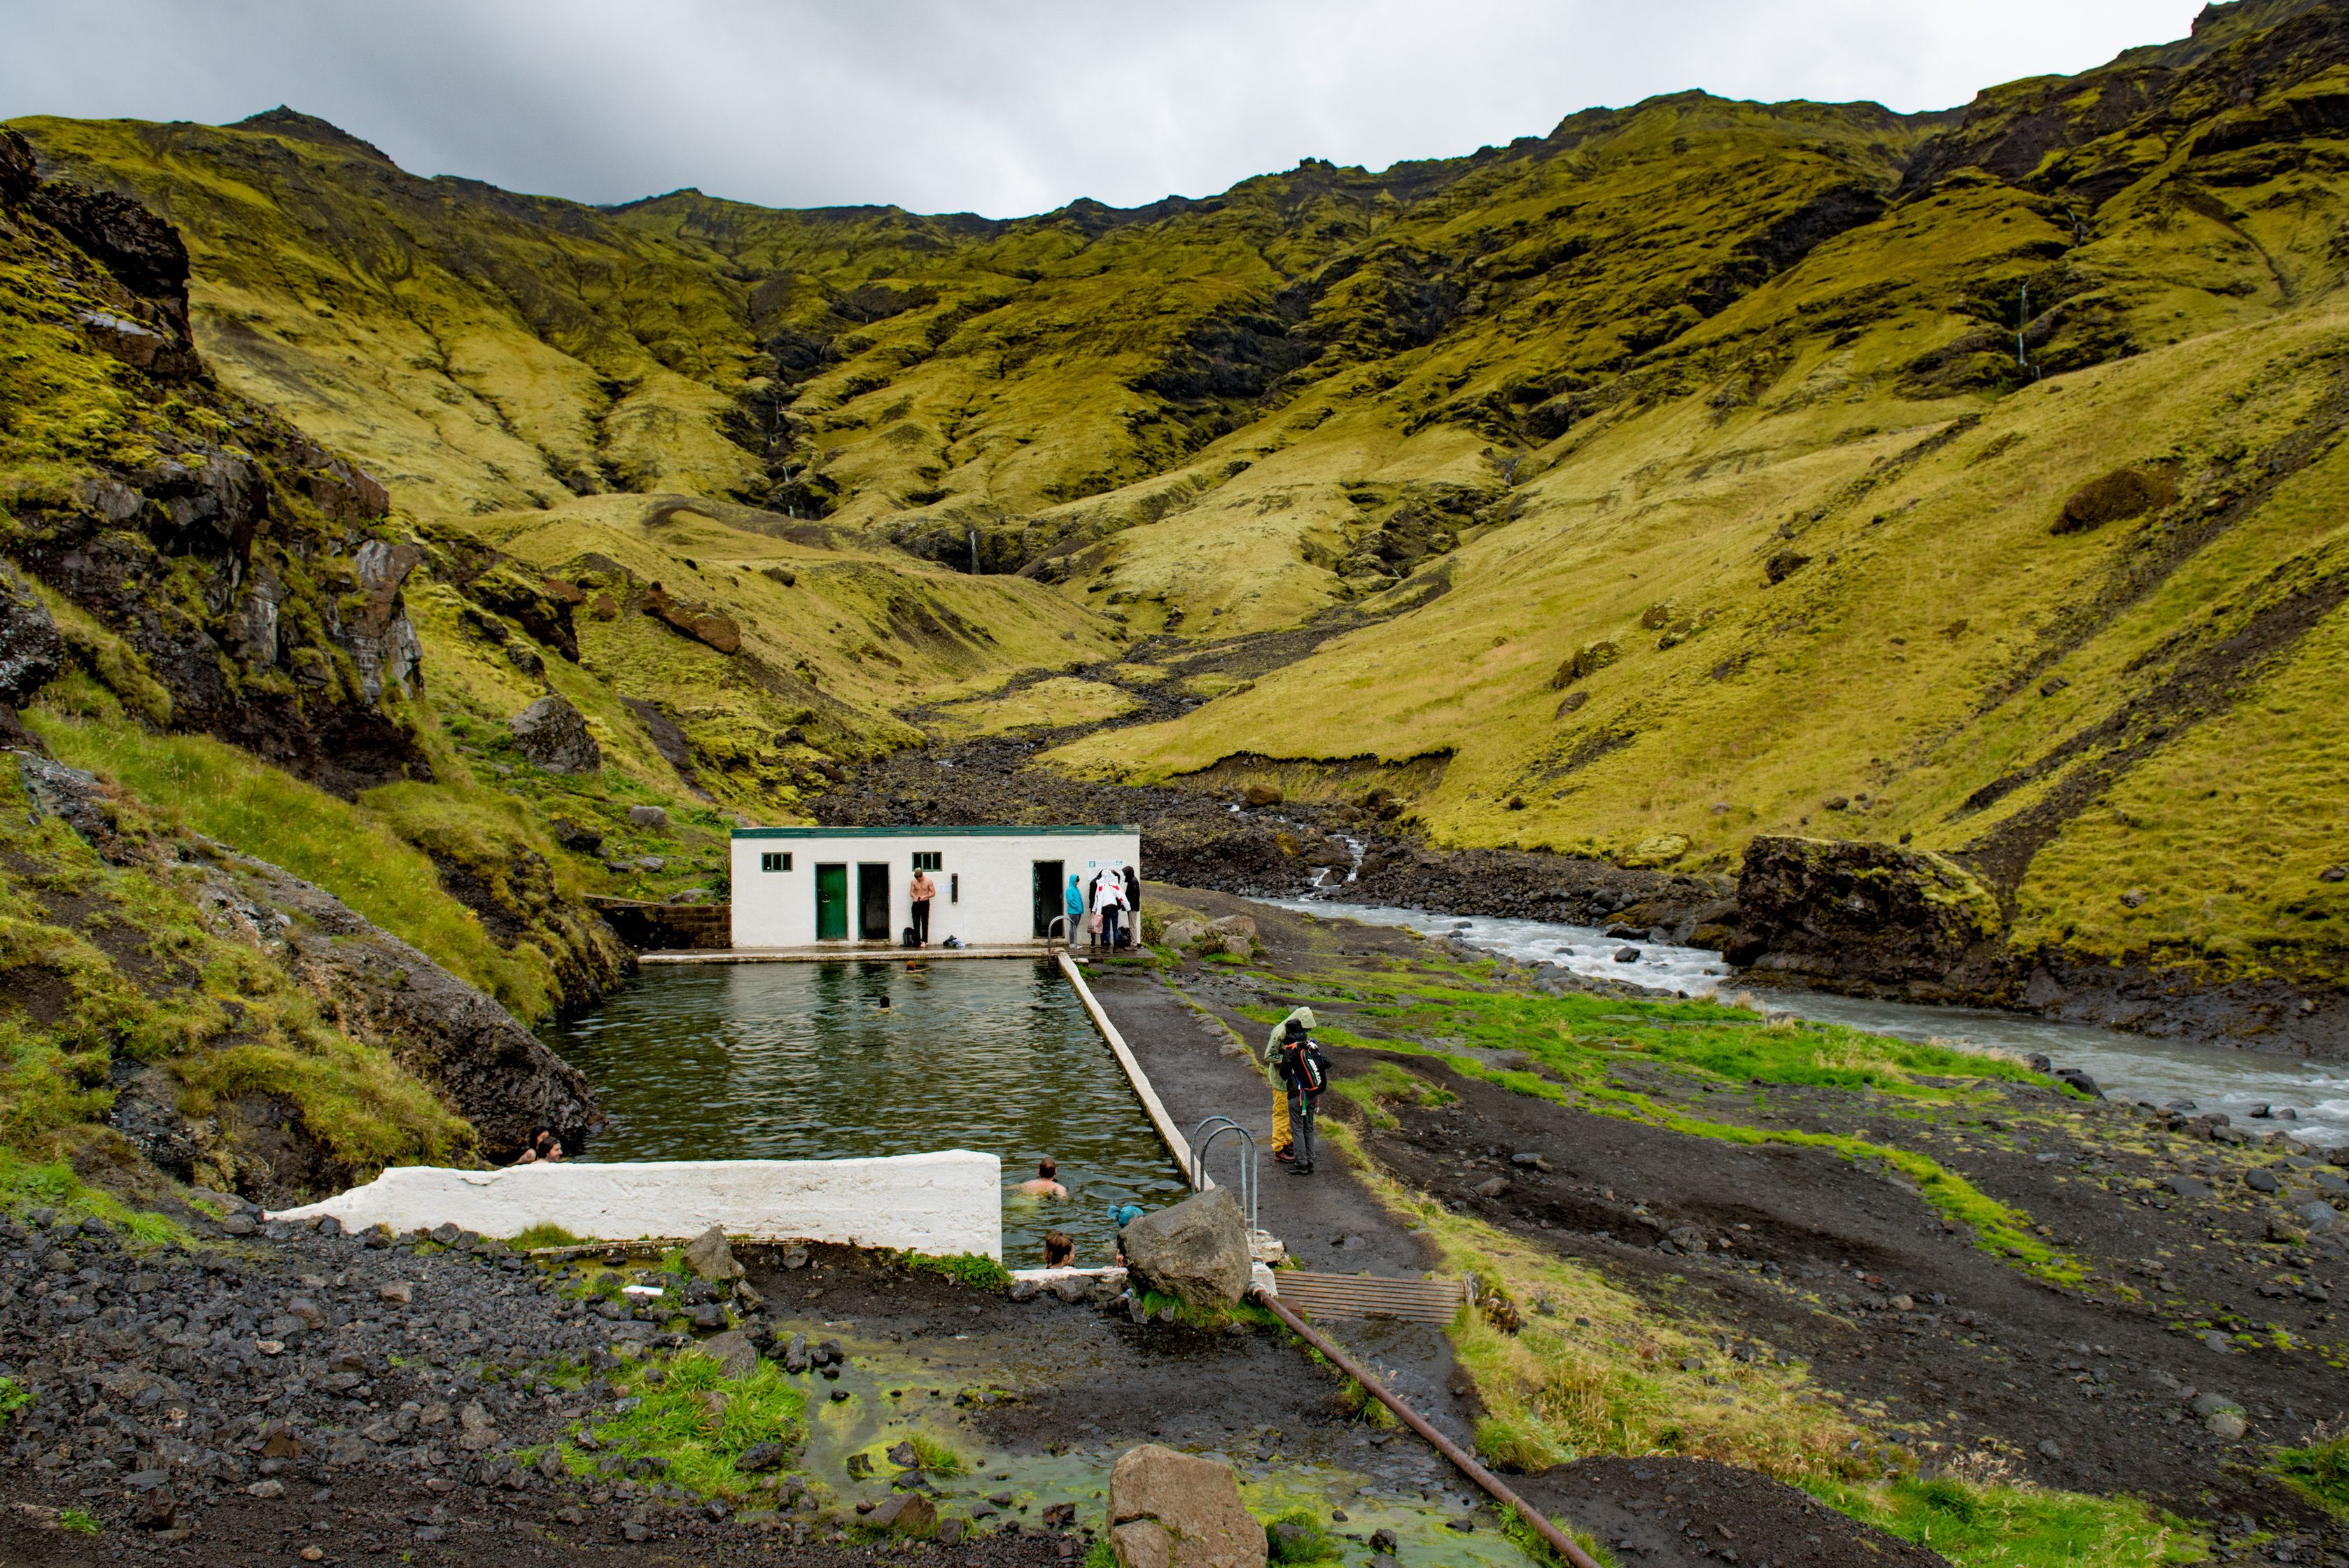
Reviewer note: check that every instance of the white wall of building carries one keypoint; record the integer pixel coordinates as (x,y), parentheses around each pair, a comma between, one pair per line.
(941,1203)
(990,871)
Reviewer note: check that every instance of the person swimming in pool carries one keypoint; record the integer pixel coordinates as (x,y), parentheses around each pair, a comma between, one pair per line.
(1045,1183)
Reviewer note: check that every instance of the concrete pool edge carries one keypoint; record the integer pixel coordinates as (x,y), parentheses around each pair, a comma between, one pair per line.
(1176,1143)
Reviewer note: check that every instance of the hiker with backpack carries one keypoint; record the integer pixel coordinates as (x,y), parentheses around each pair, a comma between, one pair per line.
(1306,1071)
(1282,1144)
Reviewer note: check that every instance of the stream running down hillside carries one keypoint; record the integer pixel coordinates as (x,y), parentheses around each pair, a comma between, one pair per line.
(804,1061)
(2126,1065)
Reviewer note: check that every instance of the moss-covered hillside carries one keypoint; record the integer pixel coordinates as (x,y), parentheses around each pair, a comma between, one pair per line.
(1696,470)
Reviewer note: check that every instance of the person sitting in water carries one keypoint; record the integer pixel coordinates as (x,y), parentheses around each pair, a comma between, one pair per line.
(1059,1249)
(1046,1182)
(545,1148)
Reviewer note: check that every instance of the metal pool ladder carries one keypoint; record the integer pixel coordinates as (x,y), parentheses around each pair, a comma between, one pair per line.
(1203,1137)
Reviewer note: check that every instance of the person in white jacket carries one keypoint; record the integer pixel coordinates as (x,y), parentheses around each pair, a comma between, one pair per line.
(1111,901)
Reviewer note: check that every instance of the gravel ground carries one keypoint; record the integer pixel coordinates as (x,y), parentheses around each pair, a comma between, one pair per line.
(299,1395)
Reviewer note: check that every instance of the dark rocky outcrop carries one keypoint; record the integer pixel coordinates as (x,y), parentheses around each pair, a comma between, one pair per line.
(1866,916)
(242,567)
(31,652)
(374,987)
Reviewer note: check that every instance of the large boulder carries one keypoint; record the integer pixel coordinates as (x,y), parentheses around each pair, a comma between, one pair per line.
(31,652)
(708,1256)
(551,733)
(1196,1249)
(1183,933)
(1172,1510)
(1843,913)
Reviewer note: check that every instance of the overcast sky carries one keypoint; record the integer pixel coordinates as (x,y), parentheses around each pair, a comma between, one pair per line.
(1002,108)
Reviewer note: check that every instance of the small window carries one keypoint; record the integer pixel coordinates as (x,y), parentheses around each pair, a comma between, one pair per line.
(954,889)
(770,861)
(929,860)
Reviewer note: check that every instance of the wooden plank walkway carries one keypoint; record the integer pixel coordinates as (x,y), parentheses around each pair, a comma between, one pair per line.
(1332,1296)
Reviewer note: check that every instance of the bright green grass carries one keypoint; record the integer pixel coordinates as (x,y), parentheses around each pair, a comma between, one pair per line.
(79,1520)
(1998,1526)
(2319,1471)
(934,1456)
(13,1397)
(545,1234)
(27,1184)
(976,1270)
(699,1444)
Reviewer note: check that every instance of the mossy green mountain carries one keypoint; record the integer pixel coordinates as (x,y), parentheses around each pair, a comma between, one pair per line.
(1698,471)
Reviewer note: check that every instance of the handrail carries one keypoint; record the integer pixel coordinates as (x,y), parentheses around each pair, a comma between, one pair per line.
(1559,1541)
(1248,1162)
(1196,1134)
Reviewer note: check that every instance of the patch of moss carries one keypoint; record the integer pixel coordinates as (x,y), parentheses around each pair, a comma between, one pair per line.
(2006,1522)
(697,1422)
(976,1270)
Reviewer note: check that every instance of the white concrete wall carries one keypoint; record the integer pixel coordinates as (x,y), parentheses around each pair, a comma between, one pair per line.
(776,909)
(945,1203)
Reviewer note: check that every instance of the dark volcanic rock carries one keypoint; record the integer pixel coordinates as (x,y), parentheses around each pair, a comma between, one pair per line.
(31,652)
(1863,915)
(551,733)
(378,989)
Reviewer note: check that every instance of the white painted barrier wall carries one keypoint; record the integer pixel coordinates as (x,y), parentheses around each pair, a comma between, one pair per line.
(941,1203)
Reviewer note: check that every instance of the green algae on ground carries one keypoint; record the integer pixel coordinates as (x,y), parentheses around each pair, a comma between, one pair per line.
(697,1422)
(2004,1524)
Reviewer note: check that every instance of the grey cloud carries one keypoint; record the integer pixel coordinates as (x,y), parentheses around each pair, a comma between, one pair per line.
(997,109)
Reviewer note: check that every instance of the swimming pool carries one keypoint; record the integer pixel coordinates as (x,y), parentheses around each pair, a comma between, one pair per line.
(804,1060)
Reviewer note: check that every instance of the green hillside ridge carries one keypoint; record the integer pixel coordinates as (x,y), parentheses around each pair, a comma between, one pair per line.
(1699,469)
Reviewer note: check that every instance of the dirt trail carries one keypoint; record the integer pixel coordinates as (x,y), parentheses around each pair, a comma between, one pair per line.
(1328,1221)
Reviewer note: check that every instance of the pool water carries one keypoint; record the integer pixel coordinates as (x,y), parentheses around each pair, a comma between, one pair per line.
(801,1061)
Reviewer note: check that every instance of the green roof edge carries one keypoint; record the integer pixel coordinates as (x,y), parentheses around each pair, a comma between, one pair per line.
(1071,830)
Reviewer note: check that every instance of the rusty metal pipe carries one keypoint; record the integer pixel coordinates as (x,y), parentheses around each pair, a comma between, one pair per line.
(1558,1540)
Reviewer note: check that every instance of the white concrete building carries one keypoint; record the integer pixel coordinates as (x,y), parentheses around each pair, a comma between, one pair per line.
(846,887)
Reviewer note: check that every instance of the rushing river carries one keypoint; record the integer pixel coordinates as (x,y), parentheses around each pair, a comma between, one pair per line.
(802,1061)
(2216,1077)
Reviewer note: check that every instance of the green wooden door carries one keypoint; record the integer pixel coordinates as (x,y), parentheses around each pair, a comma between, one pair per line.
(830,903)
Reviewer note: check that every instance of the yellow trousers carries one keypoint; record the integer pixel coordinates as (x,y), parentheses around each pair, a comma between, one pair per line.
(1280,1118)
